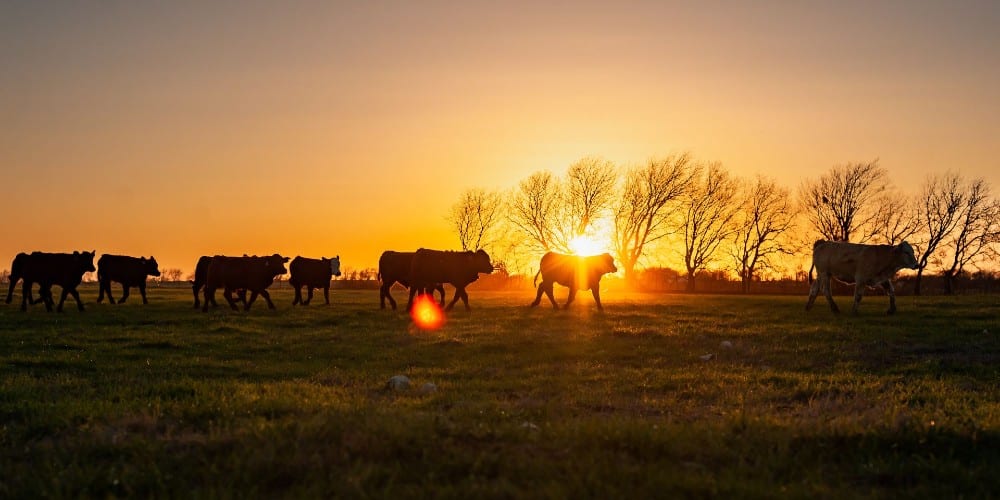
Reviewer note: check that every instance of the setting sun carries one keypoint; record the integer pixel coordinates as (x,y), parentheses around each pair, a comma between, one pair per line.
(426,313)
(586,245)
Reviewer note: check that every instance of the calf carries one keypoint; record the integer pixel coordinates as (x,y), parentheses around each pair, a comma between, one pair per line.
(430,268)
(129,271)
(863,265)
(250,273)
(47,269)
(312,273)
(394,267)
(16,274)
(575,272)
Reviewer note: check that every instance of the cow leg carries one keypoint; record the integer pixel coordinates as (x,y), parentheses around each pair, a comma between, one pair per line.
(326,294)
(829,293)
(597,297)
(194,288)
(309,295)
(813,292)
(458,294)
(76,296)
(409,302)
(298,295)
(383,293)
(439,288)
(253,297)
(125,293)
(572,295)
(100,292)
(25,293)
(859,290)
(267,297)
(892,297)
(207,292)
(10,289)
(62,299)
(465,299)
(44,296)
(550,291)
(538,296)
(142,291)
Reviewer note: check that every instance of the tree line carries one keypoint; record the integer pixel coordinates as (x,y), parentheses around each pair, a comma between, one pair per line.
(700,217)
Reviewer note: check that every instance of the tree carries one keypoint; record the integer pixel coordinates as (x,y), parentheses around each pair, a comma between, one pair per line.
(590,185)
(648,200)
(170,274)
(977,227)
(708,218)
(942,198)
(896,219)
(842,204)
(534,209)
(765,215)
(475,217)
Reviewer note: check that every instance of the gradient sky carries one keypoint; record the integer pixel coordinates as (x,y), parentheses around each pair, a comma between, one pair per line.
(179,129)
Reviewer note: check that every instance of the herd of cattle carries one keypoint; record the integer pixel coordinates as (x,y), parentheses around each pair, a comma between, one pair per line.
(423,271)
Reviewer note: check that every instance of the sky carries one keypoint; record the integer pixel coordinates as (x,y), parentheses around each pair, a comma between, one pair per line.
(179,129)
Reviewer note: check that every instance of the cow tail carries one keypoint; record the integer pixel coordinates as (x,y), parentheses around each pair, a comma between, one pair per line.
(535,282)
(811,272)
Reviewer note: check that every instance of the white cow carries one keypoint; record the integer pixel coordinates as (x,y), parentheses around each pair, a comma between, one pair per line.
(863,265)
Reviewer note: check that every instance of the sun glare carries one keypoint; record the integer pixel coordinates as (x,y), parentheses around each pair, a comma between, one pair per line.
(586,245)
(426,313)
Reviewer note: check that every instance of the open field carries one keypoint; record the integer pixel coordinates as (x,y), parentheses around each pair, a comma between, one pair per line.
(164,400)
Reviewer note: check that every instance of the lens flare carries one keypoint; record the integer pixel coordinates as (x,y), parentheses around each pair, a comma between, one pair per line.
(585,245)
(426,313)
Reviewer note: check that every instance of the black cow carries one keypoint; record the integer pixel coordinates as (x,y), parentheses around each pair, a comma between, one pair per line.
(250,273)
(47,269)
(394,267)
(430,267)
(201,274)
(312,273)
(575,272)
(16,273)
(129,271)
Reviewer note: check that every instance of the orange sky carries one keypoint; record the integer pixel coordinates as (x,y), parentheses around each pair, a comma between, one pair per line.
(178,129)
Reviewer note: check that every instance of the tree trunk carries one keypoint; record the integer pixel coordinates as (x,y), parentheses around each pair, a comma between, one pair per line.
(916,282)
(690,281)
(745,285)
(948,282)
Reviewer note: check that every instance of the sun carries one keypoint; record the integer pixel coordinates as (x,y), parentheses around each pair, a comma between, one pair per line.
(587,245)
(426,313)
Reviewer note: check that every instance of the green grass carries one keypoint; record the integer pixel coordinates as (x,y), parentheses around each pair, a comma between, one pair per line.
(163,400)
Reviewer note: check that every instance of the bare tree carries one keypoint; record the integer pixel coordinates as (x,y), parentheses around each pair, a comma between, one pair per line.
(648,200)
(765,214)
(896,219)
(590,185)
(475,217)
(977,228)
(942,198)
(535,210)
(842,204)
(170,274)
(709,210)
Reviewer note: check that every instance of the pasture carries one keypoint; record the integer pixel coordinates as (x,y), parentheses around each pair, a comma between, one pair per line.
(163,400)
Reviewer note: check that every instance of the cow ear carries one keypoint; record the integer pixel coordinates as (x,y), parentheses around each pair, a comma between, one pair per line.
(284,259)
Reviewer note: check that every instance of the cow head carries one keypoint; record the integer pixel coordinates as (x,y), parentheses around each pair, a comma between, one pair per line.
(599,265)
(334,265)
(275,264)
(150,266)
(85,260)
(481,262)
(904,256)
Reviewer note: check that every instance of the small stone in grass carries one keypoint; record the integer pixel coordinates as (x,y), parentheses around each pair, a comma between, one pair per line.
(428,388)
(398,383)
(706,357)
(726,344)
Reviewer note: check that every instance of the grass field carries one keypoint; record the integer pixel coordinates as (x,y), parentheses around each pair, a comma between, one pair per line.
(163,400)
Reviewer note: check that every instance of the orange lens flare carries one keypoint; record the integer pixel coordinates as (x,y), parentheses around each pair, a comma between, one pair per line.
(426,313)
